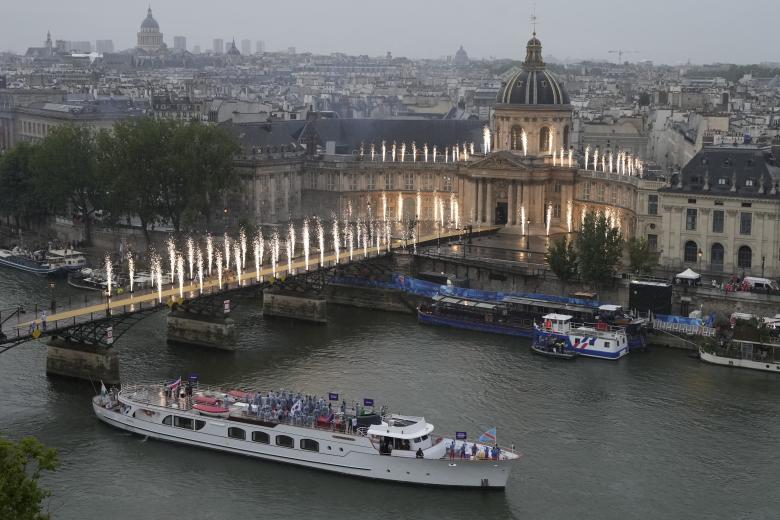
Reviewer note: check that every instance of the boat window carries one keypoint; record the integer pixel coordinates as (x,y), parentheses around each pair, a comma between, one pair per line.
(606,344)
(199,424)
(168,420)
(182,422)
(236,433)
(424,437)
(285,441)
(310,445)
(261,437)
(417,440)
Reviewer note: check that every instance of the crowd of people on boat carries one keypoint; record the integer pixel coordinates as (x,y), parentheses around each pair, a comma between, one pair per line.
(303,410)
(472,453)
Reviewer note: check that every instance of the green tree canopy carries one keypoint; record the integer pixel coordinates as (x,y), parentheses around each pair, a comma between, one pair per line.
(21,465)
(562,259)
(65,165)
(20,197)
(640,257)
(599,248)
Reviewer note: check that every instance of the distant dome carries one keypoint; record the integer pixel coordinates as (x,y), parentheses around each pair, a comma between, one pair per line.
(533,84)
(149,22)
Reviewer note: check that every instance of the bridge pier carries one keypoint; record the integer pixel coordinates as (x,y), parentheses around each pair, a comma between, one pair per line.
(92,362)
(295,305)
(201,329)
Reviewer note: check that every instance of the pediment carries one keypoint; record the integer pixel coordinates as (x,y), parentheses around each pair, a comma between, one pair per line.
(499,161)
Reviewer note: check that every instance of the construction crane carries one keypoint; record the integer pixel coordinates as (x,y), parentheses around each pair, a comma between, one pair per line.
(620,53)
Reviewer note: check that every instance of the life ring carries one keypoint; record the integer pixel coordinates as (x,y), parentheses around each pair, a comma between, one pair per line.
(548,324)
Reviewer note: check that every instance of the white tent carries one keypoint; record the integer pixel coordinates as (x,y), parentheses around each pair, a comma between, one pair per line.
(689,274)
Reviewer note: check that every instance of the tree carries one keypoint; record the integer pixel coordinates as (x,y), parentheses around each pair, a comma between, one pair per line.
(599,248)
(562,259)
(135,155)
(640,257)
(65,166)
(19,198)
(21,465)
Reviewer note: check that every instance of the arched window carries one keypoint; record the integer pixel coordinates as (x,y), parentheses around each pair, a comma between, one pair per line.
(285,441)
(716,257)
(691,251)
(745,257)
(310,445)
(516,138)
(566,137)
(236,433)
(545,145)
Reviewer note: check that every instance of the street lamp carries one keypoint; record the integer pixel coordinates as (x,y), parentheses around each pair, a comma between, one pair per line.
(51,297)
(700,254)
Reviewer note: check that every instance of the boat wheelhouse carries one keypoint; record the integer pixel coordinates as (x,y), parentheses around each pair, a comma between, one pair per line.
(305,431)
(590,340)
(66,260)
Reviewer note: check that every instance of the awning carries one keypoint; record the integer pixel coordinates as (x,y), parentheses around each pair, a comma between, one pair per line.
(688,274)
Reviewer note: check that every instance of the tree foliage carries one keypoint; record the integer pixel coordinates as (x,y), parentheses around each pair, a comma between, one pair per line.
(562,259)
(21,465)
(641,259)
(65,164)
(599,248)
(21,197)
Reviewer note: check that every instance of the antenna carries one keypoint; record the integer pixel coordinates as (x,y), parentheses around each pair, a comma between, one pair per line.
(534,19)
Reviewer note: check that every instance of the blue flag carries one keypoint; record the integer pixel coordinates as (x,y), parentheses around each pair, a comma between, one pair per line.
(489,436)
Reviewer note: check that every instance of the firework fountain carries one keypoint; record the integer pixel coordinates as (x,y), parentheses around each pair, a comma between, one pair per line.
(157,275)
(587,157)
(239,264)
(257,246)
(400,207)
(350,241)
(218,262)
(109,274)
(226,244)
(306,243)
(569,214)
(384,206)
(180,273)
(291,235)
(321,242)
(384,151)
(209,250)
(522,220)
(199,261)
(131,270)
(191,257)
(274,252)
(336,243)
(288,249)
(549,216)
(524,140)
(242,241)
(172,258)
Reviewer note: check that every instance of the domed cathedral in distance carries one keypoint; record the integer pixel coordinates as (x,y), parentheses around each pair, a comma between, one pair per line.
(150,38)
(533,113)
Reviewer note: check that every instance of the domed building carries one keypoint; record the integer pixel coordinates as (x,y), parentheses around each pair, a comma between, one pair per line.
(535,103)
(461,57)
(150,38)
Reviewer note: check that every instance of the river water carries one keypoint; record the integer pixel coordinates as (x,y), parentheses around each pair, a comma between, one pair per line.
(655,435)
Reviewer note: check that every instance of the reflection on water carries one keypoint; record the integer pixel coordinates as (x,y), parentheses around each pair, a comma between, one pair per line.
(655,435)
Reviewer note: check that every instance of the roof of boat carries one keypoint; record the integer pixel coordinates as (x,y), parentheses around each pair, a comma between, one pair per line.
(466,302)
(65,252)
(402,427)
(557,317)
(610,307)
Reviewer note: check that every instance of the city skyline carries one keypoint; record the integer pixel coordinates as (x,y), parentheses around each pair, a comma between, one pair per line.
(570,33)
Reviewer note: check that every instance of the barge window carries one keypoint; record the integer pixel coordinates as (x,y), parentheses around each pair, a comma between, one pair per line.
(168,420)
(310,445)
(261,437)
(285,441)
(199,424)
(606,344)
(236,433)
(424,437)
(183,422)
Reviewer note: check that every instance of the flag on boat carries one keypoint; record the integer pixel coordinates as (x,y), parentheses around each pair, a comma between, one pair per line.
(488,436)
(173,386)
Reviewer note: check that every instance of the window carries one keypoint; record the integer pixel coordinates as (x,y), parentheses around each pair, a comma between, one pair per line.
(556,211)
(745,257)
(310,445)
(613,195)
(691,201)
(168,420)
(586,190)
(745,223)
(690,219)
(652,242)
(749,183)
(544,140)
(236,433)
(332,181)
(722,181)
(516,142)
(371,182)
(747,204)
(600,189)
(284,441)
(427,181)
(557,187)
(261,437)
(719,203)
(606,344)
(183,422)
(353,182)
(409,181)
(389,182)
(691,251)
(447,183)
(716,257)
(652,204)
(199,424)
(566,136)
(718,220)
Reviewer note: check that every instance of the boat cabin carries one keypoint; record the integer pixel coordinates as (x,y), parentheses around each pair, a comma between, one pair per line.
(560,323)
(68,259)
(401,435)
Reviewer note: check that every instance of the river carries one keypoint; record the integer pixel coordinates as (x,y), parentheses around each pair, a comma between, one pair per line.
(654,435)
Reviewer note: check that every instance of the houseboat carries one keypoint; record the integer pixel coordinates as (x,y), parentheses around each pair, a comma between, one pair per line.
(303,430)
(589,340)
(744,354)
(52,262)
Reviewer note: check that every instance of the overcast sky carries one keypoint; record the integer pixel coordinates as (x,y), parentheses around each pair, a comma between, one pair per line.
(665,31)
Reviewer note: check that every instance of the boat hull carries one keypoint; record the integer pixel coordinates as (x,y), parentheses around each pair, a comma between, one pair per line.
(739,363)
(343,458)
(495,328)
(28,268)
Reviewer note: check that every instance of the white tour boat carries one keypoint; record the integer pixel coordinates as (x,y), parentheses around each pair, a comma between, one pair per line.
(598,340)
(744,354)
(306,431)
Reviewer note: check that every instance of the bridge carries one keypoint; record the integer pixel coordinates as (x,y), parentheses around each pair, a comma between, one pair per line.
(101,324)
